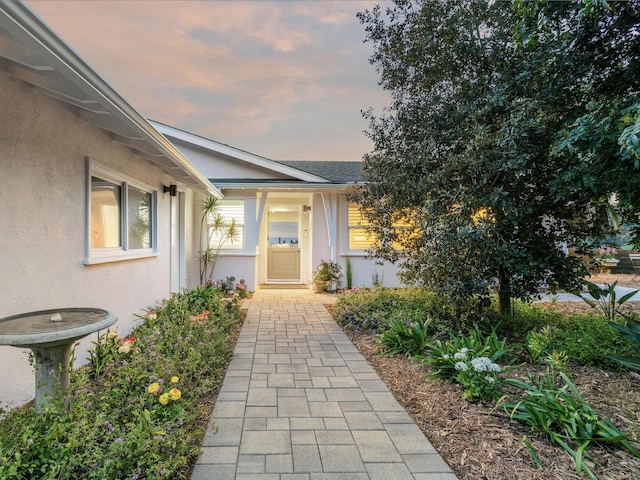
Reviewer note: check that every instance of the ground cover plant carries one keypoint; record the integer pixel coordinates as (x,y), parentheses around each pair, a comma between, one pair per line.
(136,410)
(479,440)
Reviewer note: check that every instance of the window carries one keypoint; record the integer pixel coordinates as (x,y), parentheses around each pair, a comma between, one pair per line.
(226,226)
(360,237)
(122,217)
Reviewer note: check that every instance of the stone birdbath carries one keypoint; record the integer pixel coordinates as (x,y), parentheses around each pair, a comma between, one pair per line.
(50,334)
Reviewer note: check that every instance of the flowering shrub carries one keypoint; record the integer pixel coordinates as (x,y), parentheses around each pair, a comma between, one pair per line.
(241,288)
(471,362)
(124,420)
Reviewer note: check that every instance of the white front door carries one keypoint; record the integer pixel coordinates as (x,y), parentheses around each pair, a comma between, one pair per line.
(283,251)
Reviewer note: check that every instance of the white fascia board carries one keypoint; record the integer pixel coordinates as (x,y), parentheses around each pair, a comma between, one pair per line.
(284,187)
(241,155)
(65,60)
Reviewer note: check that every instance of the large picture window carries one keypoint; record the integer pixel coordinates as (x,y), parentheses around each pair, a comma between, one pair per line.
(122,217)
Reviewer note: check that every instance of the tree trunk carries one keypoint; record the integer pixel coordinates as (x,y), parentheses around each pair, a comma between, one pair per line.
(504,292)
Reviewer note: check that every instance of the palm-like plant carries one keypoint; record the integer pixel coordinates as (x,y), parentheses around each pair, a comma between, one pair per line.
(219,231)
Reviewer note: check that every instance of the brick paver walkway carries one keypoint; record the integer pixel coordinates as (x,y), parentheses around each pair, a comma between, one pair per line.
(300,403)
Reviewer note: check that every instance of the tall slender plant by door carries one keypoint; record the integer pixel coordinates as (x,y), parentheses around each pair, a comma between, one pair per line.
(215,231)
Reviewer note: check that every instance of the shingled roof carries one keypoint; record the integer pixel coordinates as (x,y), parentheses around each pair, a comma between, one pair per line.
(335,172)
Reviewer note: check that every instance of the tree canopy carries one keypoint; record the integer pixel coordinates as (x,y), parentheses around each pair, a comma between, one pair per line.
(501,143)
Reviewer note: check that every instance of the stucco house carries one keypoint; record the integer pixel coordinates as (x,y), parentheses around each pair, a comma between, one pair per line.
(100,207)
(85,220)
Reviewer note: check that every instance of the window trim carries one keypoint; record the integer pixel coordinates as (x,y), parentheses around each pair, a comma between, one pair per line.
(94,256)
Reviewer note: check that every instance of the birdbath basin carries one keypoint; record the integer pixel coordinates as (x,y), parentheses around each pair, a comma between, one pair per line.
(50,334)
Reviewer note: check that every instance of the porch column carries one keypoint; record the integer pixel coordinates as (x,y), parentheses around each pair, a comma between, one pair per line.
(330,202)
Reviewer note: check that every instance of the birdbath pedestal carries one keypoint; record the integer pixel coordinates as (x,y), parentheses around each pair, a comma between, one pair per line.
(50,334)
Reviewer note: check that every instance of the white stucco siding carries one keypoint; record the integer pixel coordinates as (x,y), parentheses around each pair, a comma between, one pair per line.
(43,183)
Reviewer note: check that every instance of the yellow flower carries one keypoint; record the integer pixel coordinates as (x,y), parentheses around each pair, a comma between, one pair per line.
(112,334)
(164,398)
(174,379)
(175,394)
(153,388)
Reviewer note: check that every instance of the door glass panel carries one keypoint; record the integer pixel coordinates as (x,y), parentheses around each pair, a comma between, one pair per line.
(283,228)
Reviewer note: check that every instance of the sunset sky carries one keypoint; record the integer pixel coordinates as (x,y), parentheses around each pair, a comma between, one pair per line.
(283,79)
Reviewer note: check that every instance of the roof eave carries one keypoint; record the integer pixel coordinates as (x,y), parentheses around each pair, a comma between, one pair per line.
(78,72)
(283,186)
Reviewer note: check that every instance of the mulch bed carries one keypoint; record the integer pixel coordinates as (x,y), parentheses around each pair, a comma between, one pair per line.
(480,443)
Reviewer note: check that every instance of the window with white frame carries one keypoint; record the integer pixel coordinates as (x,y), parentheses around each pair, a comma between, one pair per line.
(122,216)
(226,226)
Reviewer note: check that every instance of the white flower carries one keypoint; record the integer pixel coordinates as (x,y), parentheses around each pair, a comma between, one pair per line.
(461,366)
(489,379)
(481,364)
(494,367)
(446,356)
(460,356)
(464,350)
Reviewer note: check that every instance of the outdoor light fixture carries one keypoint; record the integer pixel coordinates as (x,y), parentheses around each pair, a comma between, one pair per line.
(172,189)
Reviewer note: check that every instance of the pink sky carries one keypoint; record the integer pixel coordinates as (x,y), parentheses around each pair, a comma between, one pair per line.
(283,79)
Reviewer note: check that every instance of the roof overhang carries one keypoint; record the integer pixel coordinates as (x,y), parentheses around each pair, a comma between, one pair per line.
(33,53)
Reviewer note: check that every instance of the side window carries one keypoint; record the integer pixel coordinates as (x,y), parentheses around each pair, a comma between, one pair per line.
(227,225)
(121,217)
(360,238)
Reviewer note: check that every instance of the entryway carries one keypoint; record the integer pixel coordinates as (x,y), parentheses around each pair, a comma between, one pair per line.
(286,239)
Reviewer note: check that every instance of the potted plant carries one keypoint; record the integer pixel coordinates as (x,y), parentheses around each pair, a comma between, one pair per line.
(607,256)
(327,276)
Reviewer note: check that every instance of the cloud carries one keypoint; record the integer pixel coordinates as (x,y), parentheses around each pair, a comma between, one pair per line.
(274,78)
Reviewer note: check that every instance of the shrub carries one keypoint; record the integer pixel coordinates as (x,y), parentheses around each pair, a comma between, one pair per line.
(371,310)
(134,412)
(408,338)
(587,339)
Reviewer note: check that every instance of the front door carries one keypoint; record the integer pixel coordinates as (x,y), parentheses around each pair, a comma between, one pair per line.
(283,250)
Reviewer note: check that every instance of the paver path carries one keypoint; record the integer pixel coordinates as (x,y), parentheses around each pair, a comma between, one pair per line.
(300,403)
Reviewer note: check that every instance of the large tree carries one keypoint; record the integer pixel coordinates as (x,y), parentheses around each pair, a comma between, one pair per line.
(469,151)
